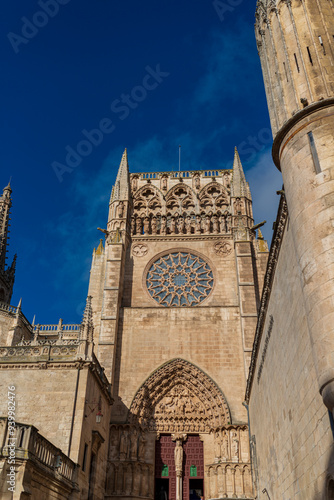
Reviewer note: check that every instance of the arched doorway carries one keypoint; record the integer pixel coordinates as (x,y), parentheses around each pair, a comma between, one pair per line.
(180,403)
(178,441)
(179,397)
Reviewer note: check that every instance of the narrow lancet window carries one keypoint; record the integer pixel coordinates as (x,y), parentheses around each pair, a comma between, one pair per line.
(314,152)
(309,55)
(296,60)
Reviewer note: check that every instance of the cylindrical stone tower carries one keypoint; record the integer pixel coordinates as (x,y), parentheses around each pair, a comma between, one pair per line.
(295,40)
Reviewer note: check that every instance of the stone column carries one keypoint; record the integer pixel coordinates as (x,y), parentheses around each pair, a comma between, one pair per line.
(178,459)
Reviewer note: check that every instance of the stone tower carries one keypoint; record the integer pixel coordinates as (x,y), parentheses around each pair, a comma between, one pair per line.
(7,274)
(175,292)
(296,47)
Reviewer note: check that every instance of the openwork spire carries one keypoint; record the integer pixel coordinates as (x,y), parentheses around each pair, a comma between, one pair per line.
(121,189)
(6,274)
(5,205)
(239,186)
(87,327)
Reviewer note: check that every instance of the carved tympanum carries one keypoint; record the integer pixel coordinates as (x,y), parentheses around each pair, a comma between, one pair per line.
(179,397)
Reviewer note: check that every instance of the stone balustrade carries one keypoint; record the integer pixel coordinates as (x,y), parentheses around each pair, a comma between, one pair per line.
(8,308)
(183,174)
(55,329)
(15,311)
(30,445)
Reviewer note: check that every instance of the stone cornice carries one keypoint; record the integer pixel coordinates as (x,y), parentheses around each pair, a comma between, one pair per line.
(75,364)
(300,115)
(280,224)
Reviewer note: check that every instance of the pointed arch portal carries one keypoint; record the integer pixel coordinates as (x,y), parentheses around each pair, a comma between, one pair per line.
(179,397)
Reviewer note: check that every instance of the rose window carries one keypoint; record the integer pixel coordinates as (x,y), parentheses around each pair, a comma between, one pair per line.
(179,279)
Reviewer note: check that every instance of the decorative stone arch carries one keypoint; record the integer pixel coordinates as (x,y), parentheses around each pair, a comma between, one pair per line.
(179,397)
(189,201)
(209,201)
(142,200)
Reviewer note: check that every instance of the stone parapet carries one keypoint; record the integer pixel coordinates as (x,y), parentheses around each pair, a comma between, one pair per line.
(25,445)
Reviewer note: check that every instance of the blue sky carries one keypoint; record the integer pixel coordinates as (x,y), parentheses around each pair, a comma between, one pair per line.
(70,67)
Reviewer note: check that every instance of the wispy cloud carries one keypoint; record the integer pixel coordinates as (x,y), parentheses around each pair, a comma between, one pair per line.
(203,146)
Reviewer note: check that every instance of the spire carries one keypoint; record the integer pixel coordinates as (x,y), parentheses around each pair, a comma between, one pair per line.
(239,185)
(100,249)
(5,205)
(121,189)
(7,274)
(87,321)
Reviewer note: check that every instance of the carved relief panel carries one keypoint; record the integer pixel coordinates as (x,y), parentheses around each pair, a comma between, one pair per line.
(130,467)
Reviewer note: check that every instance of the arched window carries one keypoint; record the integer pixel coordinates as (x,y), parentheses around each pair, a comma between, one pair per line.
(330,490)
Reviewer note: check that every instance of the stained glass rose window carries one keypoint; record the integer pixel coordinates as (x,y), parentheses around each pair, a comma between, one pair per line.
(179,279)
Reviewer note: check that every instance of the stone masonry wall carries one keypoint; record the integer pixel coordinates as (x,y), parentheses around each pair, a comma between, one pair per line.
(208,336)
(293,434)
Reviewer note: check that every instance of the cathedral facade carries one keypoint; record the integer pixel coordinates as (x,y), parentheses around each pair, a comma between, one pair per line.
(203,366)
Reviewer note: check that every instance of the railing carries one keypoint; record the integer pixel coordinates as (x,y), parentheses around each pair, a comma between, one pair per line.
(29,444)
(8,308)
(184,174)
(54,329)
(15,310)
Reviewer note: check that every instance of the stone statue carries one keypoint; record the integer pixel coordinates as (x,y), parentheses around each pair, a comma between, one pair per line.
(113,451)
(178,456)
(217,446)
(238,205)
(146,225)
(198,225)
(138,226)
(163,225)
(224,447)
(164,183)
(133,445)
(123,445)
(235,447)
(207,224)
(188,224)
(120,210)
(172,225)
(135,183)
(180,225)
(227,180)
(154,225)
(141,447)
(215,225)
(197,182)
